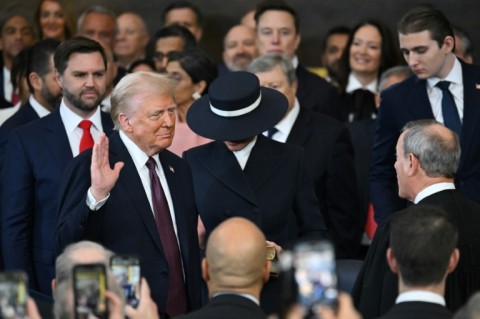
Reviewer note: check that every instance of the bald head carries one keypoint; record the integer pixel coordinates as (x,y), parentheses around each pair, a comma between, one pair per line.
(235,257)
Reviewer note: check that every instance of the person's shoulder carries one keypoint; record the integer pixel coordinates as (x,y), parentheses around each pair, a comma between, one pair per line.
(201,149)
(401,87)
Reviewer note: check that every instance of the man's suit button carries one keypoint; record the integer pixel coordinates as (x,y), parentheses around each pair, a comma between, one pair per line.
(164,274)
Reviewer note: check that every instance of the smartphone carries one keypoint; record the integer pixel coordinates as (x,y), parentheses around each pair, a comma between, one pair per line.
(90,284)
(315,276)
(126,270)
(13,295)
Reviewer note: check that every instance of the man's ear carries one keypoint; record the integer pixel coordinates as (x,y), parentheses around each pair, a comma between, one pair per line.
(58,78)
(453,262)
(35,80)
(266,271)
(414,164)
(54,286)
(392,262)
(124,122)
(205,274)
(448,44)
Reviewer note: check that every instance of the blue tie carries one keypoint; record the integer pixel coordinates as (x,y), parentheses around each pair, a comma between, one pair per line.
(451,119)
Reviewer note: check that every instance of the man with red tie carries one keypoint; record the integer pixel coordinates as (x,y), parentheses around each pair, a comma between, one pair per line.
(133,196)
(37,154)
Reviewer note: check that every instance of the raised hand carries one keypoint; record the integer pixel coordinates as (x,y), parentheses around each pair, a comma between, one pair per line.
(103,176)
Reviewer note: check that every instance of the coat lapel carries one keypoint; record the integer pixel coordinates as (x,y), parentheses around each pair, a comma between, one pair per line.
(56,139)
(301,129)
(225,168)
(262,162)
(132,184)
(418,102)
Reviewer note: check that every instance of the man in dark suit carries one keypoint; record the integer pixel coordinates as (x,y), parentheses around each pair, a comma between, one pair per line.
(246,174)
(427,158)
(427,42)
(234,269)
(36,156)
(422,252)
(278,33)
(16,34)
(328,155)
(147,209)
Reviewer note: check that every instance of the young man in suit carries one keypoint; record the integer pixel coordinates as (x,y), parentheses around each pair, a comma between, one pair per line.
(146,209)
(422,252)
(37,154)
(328,155)
(235,268)
(428,154)
(245,174)
(278,33)
(427,43)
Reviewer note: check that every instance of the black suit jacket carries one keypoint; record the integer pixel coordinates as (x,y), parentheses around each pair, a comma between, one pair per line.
(377,287)
(274,191)
(316,94)
(126,225)
(417,310)
(227,306)
(35,159)
(408,101)
(329,158)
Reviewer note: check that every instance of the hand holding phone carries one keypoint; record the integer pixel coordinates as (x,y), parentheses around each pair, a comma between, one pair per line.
(126,270)
(13,295)
(90,285)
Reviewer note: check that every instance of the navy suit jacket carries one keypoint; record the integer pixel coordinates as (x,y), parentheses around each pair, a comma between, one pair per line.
(275,191)
(125,223)
(35,159)
(316,94)
(417,310)
(329,158)
(227,306)
(408,101)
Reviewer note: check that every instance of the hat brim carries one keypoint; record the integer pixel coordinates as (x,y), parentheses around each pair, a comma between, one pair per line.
(202,120)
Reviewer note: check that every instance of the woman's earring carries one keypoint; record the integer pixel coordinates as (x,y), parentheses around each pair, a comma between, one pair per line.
(196,95)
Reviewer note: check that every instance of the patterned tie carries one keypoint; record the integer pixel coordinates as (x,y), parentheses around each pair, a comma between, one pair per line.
(87,140)
(177,298)
(271,132)
(451,119)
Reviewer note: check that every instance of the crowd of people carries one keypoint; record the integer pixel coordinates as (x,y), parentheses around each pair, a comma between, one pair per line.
(107,148)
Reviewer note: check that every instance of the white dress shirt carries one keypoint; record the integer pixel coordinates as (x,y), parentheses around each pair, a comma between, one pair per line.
(37,107)
(455,77)
(433,189)
(354,84)
(421,295)
(74,132)
(243,155)
(285,125)
(7,85)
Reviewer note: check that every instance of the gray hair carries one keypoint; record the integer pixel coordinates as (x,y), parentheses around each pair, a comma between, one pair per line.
(471,310)
(467,47)
(267,62)
(96,9)
(400,71)
(138,83)
(438,155)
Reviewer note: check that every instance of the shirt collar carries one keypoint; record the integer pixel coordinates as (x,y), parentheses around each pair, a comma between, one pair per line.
(421,295)
(295,62)
(247,149)
(354,84)
(37,107)
(248,296)
(432,189)
(454,76)
(71,119)
(285,125)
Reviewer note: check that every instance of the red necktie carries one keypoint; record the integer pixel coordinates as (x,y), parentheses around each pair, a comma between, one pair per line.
(87,140)
(371,224)
(15,98)
(177,298)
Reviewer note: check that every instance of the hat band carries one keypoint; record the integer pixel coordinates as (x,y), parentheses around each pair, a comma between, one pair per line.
(239,112)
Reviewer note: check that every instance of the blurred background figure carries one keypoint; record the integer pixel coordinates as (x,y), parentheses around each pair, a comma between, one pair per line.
(142,65)
(248,19)
(171,39)
(185,14)
(333,46)
(193,71)
(52,20)
(239,49)
(132,39)
(463,45)
(98,23)
(370,50)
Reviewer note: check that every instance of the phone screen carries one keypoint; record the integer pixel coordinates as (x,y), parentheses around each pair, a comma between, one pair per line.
(13,295)
(90,285)
(126,270)
(315,276)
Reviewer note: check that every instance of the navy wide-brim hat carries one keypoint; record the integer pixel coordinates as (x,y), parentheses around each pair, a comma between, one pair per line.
(235,108)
